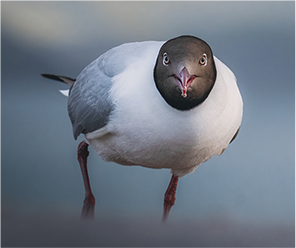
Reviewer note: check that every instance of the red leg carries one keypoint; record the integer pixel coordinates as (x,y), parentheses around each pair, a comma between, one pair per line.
(89,201)
(169,197)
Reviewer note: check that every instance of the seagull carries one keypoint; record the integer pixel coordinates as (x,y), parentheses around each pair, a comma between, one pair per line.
(157,104)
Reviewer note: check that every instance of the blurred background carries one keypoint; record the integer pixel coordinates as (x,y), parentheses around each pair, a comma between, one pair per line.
(245,197)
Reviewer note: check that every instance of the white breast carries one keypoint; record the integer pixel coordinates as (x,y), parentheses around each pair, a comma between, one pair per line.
(144,130)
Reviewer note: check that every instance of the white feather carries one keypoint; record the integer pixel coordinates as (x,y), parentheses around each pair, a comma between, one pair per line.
(145,130)
(97,133)
(65,92)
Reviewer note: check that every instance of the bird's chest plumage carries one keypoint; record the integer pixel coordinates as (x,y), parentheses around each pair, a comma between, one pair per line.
(144,130)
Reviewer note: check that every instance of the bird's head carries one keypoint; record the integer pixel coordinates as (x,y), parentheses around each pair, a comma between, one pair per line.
(185,72)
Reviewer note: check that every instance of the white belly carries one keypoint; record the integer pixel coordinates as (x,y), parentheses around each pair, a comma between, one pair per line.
(144,130)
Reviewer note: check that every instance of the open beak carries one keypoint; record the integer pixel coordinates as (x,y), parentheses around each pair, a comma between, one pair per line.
(185,79)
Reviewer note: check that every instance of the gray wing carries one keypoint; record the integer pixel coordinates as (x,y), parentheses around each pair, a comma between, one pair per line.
(89,104)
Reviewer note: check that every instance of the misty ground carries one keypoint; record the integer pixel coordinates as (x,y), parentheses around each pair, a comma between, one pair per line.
(66,230)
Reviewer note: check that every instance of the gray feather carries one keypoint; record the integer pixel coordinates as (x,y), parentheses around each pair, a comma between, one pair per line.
(89,104)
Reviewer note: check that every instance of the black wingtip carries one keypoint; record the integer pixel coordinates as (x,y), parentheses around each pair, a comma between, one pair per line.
(50,76)
(66,80)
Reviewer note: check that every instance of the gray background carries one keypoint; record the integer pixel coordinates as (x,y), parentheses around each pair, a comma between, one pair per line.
(243,198)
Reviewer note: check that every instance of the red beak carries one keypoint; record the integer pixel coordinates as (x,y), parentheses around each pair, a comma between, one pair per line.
(185,79)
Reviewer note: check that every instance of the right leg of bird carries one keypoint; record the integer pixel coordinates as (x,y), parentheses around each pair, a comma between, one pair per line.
(169,197)
(89,201)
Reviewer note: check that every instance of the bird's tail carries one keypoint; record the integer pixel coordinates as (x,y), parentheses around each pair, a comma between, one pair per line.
(66,80)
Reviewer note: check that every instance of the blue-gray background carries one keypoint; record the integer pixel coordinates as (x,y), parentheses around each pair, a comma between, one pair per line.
(243,198)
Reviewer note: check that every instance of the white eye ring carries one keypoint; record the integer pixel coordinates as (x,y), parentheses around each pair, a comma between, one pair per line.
(165,59)
(204,60)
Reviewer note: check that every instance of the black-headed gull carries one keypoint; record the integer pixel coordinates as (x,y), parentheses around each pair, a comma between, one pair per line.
(155,104)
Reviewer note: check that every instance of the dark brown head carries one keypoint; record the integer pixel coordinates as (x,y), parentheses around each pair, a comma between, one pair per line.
(185,72)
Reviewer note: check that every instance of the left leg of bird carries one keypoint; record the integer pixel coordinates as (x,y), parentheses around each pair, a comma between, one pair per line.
(169,197)
(89,201)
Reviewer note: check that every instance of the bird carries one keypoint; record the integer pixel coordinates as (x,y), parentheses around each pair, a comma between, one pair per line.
(157,104)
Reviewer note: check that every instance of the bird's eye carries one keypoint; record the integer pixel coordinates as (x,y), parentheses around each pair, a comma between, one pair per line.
(203,61)
(165,59)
